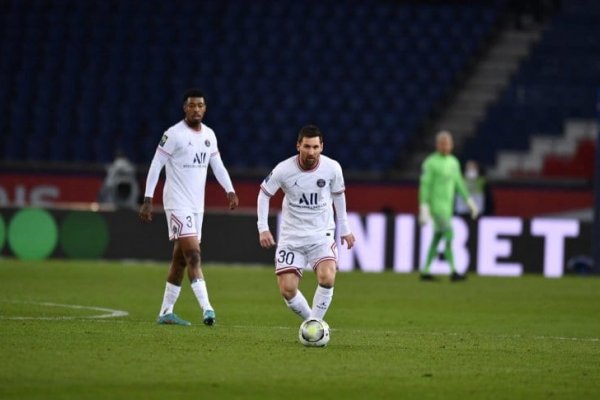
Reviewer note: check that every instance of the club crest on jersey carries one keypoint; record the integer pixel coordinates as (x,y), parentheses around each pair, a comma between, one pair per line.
(207,143)
(163,140)
(321,183)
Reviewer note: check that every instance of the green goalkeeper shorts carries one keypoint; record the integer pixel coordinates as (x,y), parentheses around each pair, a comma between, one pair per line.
(442,223)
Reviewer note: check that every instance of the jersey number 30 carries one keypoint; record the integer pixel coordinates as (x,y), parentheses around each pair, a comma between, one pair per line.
(285,257)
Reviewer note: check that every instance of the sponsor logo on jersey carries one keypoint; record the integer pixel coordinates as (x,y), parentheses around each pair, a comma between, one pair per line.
(200,158)
(199,161)
(321,183)
(310,199)
(163,140)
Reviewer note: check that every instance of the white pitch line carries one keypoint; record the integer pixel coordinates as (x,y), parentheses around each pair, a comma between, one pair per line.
(591,339)
(111,313)
(107,312)
(516,336)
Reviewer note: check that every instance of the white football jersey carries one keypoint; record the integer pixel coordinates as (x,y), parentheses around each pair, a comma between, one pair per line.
(307,209)
(189,153)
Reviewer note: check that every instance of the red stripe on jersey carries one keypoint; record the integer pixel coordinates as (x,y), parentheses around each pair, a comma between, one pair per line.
(162,151)
(172,237)
(287,270)
(308,170)
(320,260)
(215,153)
(340,192)
(177,221)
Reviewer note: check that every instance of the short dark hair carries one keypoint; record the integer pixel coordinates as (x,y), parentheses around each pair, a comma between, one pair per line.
(310,131)
(192,93)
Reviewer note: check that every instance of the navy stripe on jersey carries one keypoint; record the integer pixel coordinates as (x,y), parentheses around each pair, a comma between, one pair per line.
(265,191)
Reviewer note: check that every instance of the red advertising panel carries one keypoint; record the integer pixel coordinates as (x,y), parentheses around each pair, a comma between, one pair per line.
(19,189)
(42,189)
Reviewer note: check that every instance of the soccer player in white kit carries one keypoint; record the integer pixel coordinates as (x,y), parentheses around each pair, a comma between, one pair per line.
(186,149)
(312,183)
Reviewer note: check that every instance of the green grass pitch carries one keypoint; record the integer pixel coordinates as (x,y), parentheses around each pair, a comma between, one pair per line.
(393,337)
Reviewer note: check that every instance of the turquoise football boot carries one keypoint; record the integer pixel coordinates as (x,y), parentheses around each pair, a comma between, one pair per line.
(209,317)
(172,319)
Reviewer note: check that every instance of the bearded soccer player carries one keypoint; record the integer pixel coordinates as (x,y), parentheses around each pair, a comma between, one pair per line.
(186,149)
(441,177)
(312,184)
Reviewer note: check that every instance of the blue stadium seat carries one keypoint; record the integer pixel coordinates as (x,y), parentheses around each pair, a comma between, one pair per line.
(558,81)
(267,67)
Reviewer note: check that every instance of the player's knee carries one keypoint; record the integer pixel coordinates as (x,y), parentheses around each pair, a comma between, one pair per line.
(288,290)
(192,257)
(288,293)
(327,281)
(179,261)
(326,275)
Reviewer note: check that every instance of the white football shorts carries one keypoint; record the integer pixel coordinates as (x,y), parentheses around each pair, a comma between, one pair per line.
(296,258)
(184,224)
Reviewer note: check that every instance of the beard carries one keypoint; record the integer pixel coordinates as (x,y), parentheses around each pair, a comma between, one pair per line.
(193,122)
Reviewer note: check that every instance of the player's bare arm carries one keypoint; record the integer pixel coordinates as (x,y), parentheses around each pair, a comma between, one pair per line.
(349,240)
(233,200)
(266,239)
(146,210)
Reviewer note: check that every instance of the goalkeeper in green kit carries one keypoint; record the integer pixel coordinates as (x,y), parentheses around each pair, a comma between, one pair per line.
(441,177)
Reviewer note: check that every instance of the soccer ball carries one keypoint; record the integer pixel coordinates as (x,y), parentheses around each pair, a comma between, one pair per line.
(314,332)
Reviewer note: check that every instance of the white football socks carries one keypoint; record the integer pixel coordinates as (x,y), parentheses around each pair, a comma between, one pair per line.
(321,302)
(169,298)
(199,288)
(299,305)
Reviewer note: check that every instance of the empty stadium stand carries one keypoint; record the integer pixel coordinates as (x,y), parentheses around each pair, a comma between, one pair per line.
(82,79)
(556,83)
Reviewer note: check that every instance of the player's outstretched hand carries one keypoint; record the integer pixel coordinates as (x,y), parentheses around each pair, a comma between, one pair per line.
(349,239)
(146,212)
(266,240)
(233,200)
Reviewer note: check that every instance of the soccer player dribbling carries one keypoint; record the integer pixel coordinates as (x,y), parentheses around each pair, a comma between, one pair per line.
(186,149)
(312,183)
(441,177)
